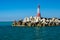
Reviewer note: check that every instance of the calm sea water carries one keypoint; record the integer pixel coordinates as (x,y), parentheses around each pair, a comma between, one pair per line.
(7,32)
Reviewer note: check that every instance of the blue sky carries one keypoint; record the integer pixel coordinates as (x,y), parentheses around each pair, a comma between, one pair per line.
(18,9)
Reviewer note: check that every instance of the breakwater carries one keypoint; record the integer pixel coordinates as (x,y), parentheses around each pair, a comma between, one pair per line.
(39,23)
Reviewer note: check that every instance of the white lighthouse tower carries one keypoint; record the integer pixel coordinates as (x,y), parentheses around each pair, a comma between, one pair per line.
(38,11)
(38,16)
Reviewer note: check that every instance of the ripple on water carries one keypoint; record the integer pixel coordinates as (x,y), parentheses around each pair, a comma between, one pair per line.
(29,33)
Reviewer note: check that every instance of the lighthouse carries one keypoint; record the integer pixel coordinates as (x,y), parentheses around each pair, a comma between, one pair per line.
(38,11)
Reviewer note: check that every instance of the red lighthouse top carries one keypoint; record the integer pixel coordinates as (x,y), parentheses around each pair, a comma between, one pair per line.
(38,15)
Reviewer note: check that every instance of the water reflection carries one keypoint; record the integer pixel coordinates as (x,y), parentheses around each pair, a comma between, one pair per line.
(37,33)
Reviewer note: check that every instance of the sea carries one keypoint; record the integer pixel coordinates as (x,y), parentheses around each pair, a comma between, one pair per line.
(8,32)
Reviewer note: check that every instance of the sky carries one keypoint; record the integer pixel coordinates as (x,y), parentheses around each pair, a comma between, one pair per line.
(18,9)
